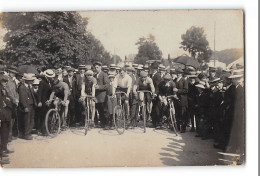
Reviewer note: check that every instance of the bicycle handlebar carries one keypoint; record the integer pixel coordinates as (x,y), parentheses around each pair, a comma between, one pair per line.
(88,96)
(145,91)
(120,92)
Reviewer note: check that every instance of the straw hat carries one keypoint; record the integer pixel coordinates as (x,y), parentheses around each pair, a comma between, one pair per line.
(201,85)
(28,76)
(36,82)
(89,72)
(237,74)
(49,73)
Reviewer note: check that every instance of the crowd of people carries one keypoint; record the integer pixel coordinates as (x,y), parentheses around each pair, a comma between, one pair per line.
(209,102)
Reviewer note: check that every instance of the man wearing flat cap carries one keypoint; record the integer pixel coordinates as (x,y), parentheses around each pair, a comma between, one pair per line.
(182,105)
(71,81)
(101,88)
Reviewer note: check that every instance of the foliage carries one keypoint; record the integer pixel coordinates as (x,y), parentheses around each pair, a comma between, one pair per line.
(194,41)
(229,55)
(147,50)
(50,40)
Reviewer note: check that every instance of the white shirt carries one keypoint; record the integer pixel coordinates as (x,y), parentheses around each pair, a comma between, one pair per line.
(123,82)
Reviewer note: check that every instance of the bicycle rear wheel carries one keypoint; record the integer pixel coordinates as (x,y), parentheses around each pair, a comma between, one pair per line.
(119,119)
(144,117)
(52,122)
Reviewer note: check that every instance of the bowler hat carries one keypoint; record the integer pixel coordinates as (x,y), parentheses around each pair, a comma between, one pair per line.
(4,78)
(97,63)
(167,77)
(143,74)
(179,70)
(13,69)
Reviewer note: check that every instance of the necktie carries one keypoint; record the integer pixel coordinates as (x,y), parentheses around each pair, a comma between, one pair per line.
(34,99)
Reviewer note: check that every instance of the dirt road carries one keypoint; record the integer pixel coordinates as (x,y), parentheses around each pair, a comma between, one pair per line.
(106,148)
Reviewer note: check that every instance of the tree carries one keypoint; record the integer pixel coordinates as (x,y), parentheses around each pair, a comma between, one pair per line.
(195,42)
(147,50)
(49,40)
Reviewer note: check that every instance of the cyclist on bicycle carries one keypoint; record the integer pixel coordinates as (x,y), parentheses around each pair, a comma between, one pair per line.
(88,88)
(60,90)
(165,88)
(145,83)
(123,83)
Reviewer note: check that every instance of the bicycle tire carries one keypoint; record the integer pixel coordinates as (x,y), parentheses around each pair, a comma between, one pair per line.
(144,117)
(51,117)
(173,123)
(119,119)
(87,120)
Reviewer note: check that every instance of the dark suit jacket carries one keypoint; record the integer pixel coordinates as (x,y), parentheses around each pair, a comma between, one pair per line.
(156,80)
(5,105)
(182,86)
(26,99)
(72,86)
(103,83)
(44,91)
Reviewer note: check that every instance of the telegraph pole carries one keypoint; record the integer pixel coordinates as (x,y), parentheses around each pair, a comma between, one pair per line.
(214,44)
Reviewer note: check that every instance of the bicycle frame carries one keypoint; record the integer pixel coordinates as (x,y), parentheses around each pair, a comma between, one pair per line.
(144,105)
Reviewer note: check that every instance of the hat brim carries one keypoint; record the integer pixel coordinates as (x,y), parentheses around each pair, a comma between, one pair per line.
(49,76)
(13,71)
(200,86)
(26,79)
(235,76)
(193,76)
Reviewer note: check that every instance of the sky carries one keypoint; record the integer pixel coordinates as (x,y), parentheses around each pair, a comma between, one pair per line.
(119,30)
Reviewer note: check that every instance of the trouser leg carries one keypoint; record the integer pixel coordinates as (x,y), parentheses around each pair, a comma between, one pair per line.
(28,121)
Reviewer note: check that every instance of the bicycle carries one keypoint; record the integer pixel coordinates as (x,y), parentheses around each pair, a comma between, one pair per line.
(172,123)
(119,115)
(52,118)
(87,112)
(143,104)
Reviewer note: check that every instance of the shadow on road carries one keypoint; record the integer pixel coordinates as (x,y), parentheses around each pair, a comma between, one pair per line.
(78,131)
(108,132)
(165,132)
(186,150)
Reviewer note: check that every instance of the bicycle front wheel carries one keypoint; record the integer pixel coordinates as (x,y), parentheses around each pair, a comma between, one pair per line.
(52,122)
(144,117)
(119,119)
(173,125)
(87,114)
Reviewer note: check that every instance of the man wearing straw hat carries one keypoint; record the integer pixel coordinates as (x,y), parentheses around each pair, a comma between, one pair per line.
(27,104)
(237,134)
(44,92)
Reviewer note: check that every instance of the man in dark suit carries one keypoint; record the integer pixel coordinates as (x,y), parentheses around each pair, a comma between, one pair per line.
(101,87)
(80,79)
(182,105)
(5,118)
(71,81)
(43,94)
(27,103)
